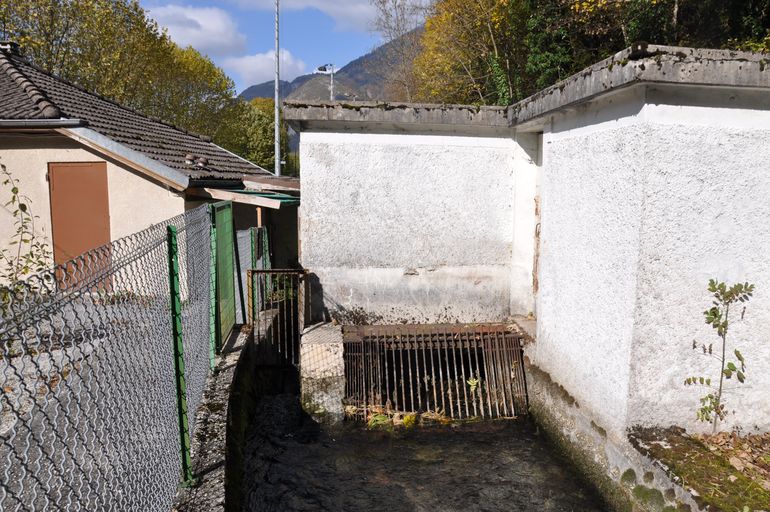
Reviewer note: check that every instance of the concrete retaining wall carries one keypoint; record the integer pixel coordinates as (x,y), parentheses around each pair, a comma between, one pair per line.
(627,480)
(411,228)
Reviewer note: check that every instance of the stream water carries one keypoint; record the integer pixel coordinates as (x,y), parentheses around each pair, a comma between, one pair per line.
(294,465)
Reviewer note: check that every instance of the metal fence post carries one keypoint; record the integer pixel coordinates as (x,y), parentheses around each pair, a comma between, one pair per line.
(213,344)
(254,238)
(178,344)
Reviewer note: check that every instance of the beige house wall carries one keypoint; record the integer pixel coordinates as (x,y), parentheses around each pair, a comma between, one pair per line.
(136,202)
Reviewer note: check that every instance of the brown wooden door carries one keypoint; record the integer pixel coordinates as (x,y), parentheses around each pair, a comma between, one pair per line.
(80,209)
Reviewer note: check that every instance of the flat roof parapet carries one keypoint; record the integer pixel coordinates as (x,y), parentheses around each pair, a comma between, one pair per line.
(300,113)
(641,63)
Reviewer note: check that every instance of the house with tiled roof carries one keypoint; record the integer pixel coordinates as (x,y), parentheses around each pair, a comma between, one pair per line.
(95,170)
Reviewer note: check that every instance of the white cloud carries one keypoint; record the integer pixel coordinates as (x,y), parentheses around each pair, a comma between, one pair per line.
(209,30)
(356,15)
(255,69)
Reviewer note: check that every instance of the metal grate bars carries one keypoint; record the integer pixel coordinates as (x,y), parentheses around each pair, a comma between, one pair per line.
(457,371)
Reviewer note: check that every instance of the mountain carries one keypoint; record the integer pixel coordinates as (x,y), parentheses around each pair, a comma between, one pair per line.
(266,89)
(362,79)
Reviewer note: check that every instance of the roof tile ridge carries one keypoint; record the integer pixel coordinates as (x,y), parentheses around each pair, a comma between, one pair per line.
(46,107)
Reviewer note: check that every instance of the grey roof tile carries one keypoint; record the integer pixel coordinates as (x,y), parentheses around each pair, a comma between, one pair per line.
(28,92)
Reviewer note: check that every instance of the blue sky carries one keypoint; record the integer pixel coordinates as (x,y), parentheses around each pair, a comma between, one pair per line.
(238,34)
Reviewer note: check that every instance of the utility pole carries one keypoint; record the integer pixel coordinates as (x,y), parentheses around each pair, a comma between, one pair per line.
(277,94)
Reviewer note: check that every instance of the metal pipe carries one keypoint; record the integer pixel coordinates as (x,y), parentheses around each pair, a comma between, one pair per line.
(277,112)
(462,369)
(448,374)
(417,369)
(41,123)
(432,370)
(456,374)
(409,362)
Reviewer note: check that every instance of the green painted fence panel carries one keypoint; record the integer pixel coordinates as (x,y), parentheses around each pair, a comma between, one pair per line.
(225,273)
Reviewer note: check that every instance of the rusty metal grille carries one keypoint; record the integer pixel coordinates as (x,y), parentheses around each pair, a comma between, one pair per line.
(458,371)
(276,301)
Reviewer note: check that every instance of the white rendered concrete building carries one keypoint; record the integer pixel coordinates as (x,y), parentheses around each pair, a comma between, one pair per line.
(601,206)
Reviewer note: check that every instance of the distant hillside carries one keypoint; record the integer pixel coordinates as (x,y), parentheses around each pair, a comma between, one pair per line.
(265,89)
(360,79)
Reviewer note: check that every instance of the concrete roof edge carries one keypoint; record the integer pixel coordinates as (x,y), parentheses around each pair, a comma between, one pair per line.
(299,113)
(645,63)
(640,63)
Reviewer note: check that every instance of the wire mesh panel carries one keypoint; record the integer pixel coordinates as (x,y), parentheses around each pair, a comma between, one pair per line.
(457,371)
(276,303)
(88,416)
(225,282)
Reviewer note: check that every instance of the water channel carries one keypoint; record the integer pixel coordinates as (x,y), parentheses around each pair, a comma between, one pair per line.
(293,464)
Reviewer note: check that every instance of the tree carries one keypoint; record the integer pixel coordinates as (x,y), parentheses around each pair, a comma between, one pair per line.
(193,93)
(498,51)
(249,130)
(718,317)
(112,48)
(474,52)
(398,22)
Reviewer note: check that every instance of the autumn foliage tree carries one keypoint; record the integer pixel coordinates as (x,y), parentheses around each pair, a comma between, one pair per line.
(501,51)
(473,52)
(112,48)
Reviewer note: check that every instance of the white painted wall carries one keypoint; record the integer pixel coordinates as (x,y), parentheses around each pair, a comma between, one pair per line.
(642,202)
(135,202)
(414,228)
(644,193)
(590,197)
(705,214)
(526,177)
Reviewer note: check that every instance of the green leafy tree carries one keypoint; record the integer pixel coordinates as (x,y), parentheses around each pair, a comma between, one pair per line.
(717,316)
(249,132)
(469,47)
(193,91)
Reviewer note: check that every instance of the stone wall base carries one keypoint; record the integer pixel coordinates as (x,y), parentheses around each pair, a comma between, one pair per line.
(627,480)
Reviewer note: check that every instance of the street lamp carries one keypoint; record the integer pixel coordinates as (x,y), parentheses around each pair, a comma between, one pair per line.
(328,69)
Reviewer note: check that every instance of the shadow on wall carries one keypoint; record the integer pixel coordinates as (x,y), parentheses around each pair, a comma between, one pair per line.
(325,309)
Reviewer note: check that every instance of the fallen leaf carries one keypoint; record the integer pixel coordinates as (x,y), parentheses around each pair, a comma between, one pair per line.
(736,463)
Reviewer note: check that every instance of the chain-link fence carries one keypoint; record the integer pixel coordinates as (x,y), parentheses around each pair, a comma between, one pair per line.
(89,416)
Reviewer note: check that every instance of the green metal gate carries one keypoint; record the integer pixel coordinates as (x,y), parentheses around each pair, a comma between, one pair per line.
(222,219)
